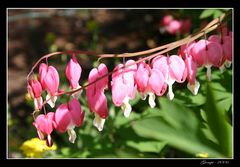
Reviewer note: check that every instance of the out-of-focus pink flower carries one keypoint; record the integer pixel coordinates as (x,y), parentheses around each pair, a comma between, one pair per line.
(68,116)
(44,126)
(207,53)
(186,26)
(166,20)
(73,73)
(35,89)
(123,86)
(174,27)
(97,100)
(193,85)
(172,68)
(49,79)
(149,82)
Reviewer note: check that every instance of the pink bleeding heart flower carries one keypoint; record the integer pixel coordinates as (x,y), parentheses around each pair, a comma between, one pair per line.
(123,86)
(49,79)
(35,90)
(97,100)
(73,73)
(185,49)
(67,117)
(44,126)
(172,68)
(226,44)
(193,85)
(207,53)
(149,82)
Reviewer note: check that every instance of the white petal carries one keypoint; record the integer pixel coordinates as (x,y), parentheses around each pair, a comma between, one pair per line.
(170,94)
(36,104)
(72,135)
(52,100)
(151,100)
(40,135)
(49,141)
(98,122)
(194,88)
(127,108)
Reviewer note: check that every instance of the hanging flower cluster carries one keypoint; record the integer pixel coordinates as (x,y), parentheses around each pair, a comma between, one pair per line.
(148,79)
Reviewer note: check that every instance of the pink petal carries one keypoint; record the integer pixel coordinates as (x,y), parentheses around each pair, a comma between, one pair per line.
(42,73)
(156,81)
(176,68)
(30,91)
(36,88)
(160,62)
(102,71)
(51,80)
(192,69)
(73,72)
(227,47)
(141,77)
(119,91)
(214,53)
(76,112)
(198,52)
(44,123)
(62,118)
(100,105)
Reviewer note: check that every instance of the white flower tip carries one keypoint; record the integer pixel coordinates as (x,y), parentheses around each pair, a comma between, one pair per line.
(143,95)
(194,88)
(36,104)
(170,95)
(40,135)
(49,141)
(151,100)
(126,107)
(228,63)
(52,100)
(72,135)
(98,122)
(222,68)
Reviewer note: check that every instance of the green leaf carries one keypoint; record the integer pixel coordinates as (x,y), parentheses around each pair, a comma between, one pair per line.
(217,13)
(147,146)
(218,124)
(207,13)
(179,127)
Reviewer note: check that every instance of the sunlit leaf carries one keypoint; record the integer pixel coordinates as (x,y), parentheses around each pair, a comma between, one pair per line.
(179,127)
(147,146)
(221,129)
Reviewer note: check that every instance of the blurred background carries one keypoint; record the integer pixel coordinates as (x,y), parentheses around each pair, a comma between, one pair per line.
(32,33)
